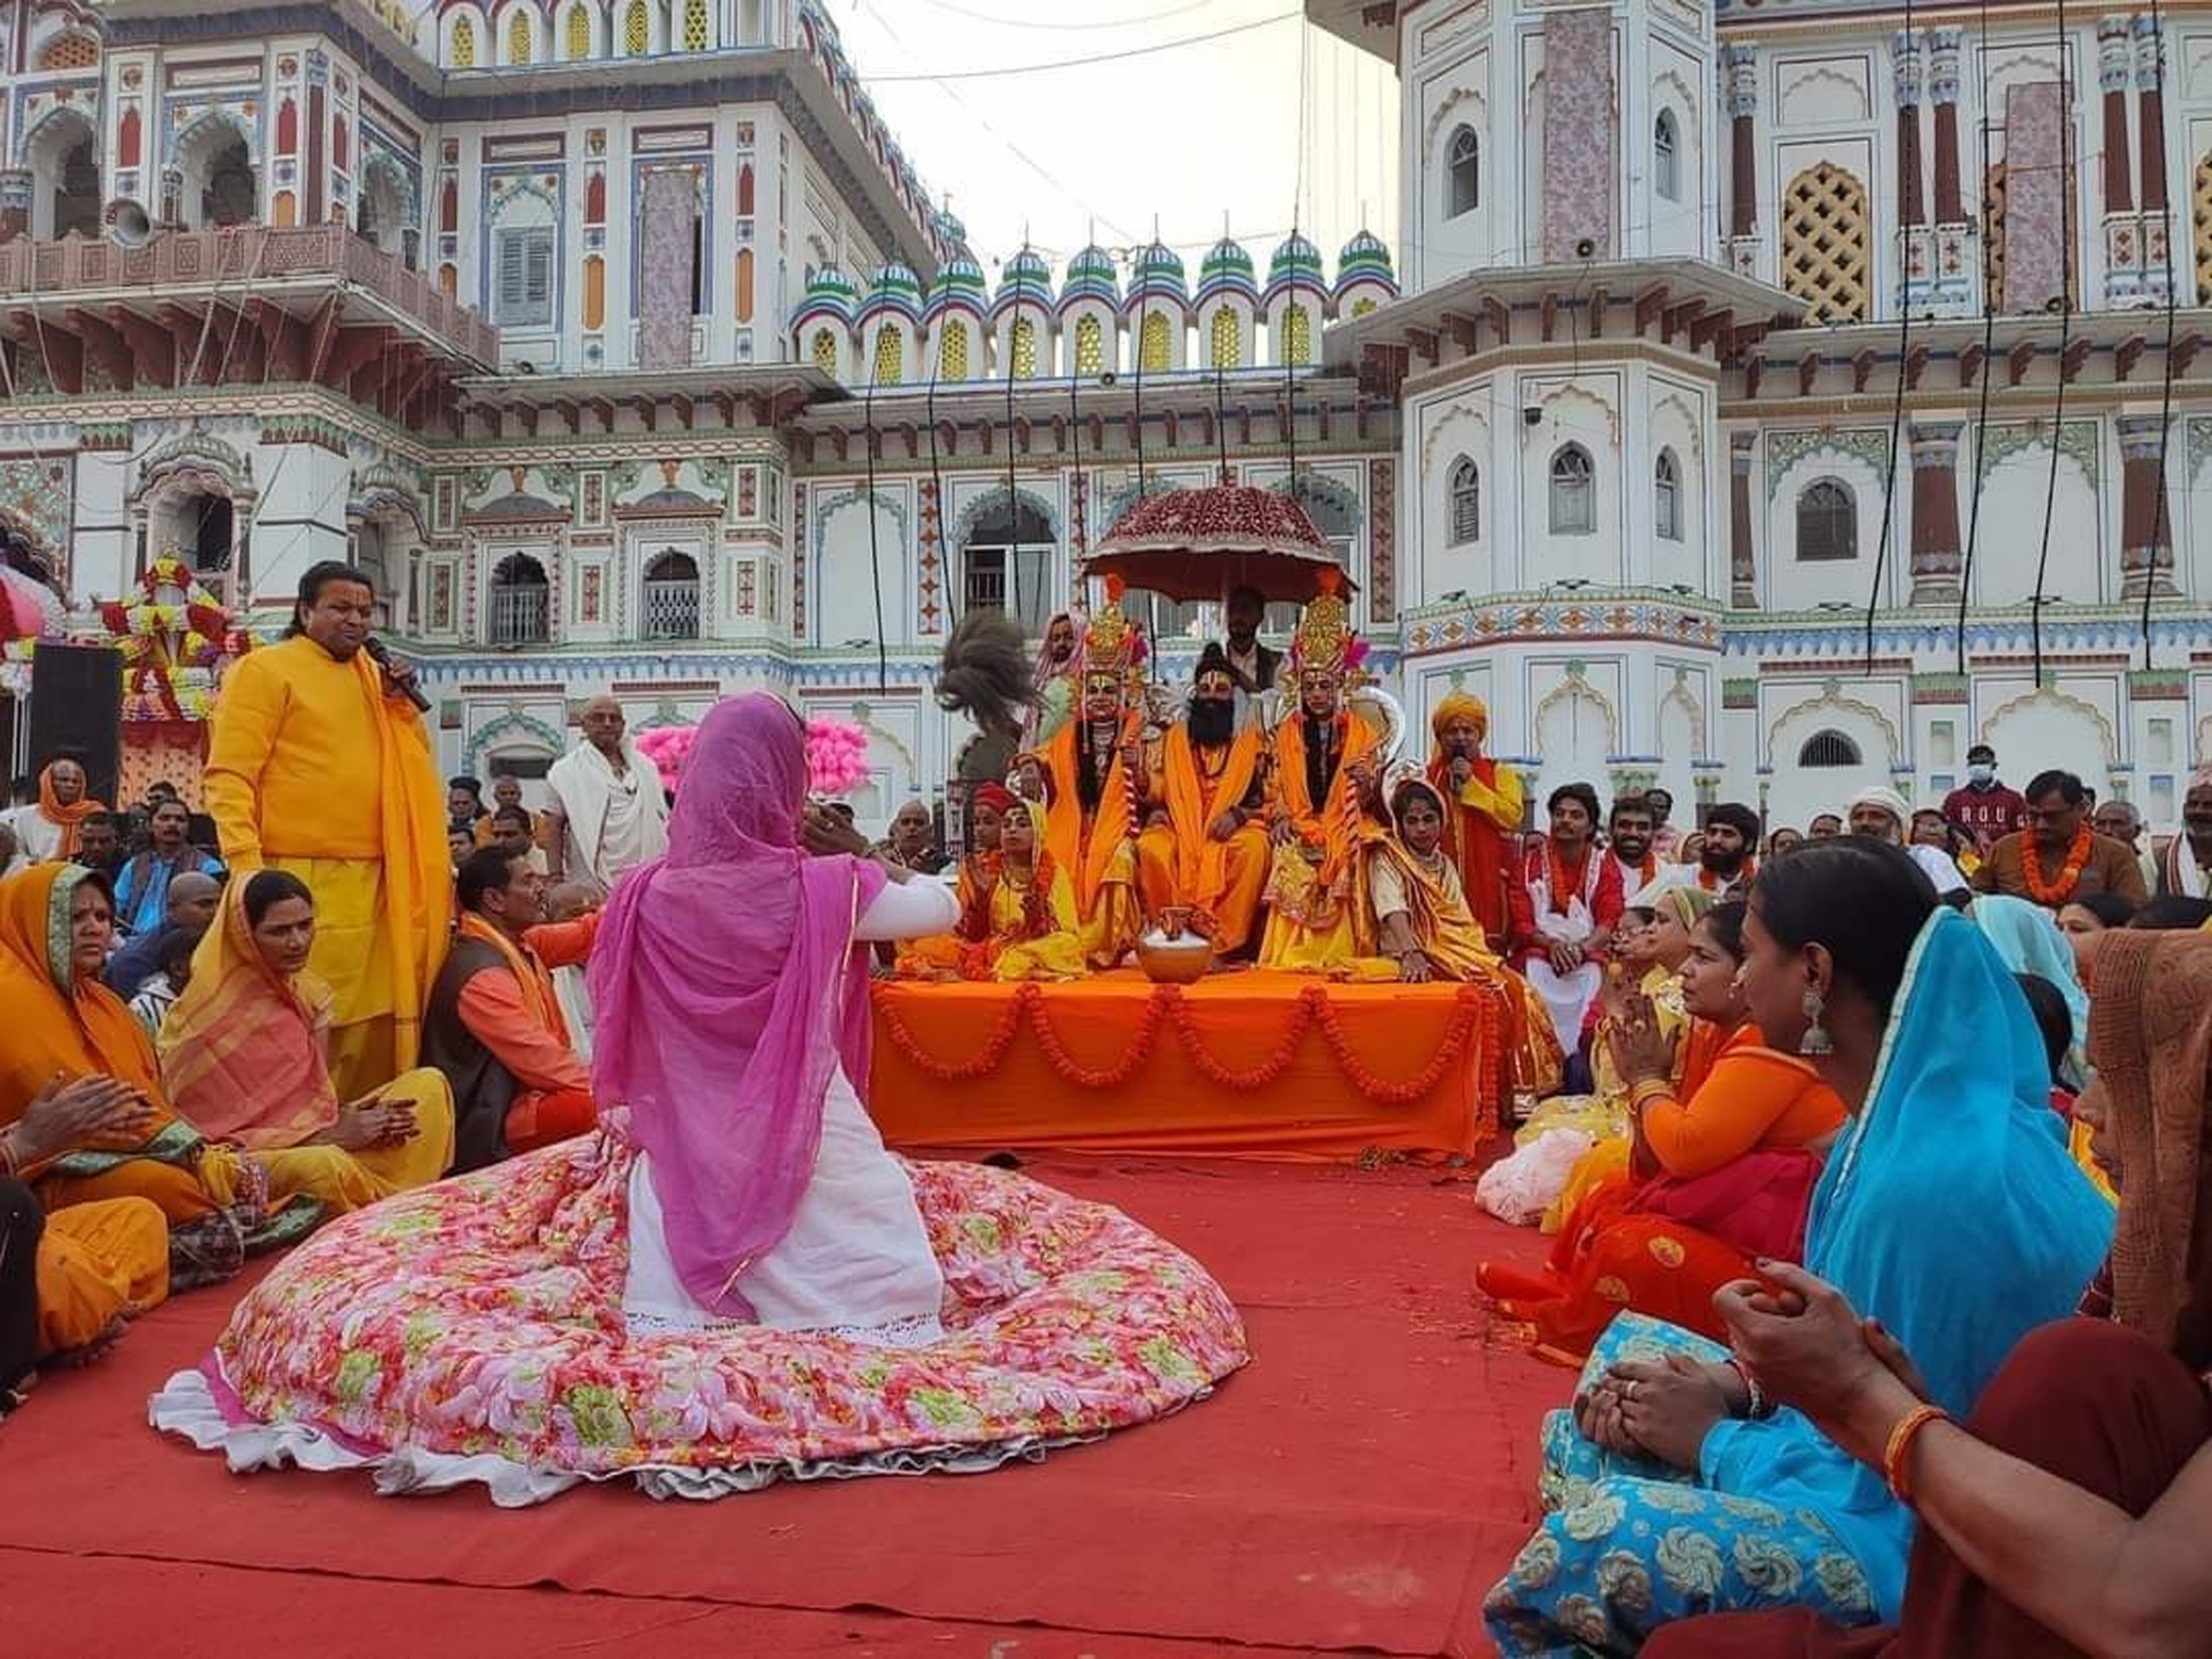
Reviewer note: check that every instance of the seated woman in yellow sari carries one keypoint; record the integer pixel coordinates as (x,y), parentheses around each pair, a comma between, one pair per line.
(58,1025)
(244,1057)
(1721,1173)
(1427,932)
(1025,923)
(939,957)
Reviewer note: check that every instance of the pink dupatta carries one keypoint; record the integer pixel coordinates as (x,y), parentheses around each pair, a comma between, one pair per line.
(728,991)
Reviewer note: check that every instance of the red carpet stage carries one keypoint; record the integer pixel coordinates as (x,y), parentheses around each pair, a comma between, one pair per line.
(1279,1066)
(1359,1487)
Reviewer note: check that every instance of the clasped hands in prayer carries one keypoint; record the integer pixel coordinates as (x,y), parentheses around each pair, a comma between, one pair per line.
(1803,1342)
(1642,1051)
(371,1121)
(70,1112)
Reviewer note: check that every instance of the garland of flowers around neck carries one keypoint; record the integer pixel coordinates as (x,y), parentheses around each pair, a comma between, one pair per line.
(2051,894)
(1476,1009)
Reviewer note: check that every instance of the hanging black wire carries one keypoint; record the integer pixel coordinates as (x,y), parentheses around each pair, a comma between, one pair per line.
(936,496)
(2158,524)
(874,551)
(1220,418)
(1082,478)
(1290,379)
(1897,414)
(1988,350)
(1013,501)
(1144,316)
(2066,223)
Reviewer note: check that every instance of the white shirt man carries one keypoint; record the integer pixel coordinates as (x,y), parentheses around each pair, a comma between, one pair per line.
(609,814)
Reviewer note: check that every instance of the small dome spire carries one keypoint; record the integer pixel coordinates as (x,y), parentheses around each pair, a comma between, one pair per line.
(1366,259)
(1157,273)
(1092,276)
(1227,268)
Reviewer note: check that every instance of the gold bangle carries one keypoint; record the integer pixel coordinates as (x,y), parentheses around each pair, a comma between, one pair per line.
(1899,1448)
(1648,1090)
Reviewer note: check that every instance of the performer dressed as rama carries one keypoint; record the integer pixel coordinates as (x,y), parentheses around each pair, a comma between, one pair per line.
(1323,813)
(1206,847)
(1090,771)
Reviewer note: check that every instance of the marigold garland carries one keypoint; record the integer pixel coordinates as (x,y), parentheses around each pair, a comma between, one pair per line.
(1474,1005)
(2052,895)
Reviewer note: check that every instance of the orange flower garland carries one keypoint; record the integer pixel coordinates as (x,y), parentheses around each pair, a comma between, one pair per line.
(1477,1009)
(2052,895)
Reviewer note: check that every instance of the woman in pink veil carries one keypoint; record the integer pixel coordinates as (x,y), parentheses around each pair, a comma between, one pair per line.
(734,1005)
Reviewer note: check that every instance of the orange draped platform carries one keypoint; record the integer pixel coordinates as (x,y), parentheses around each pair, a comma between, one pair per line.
(1252,1063)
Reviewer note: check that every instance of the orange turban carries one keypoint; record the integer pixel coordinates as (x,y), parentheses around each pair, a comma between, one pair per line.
(1459,705)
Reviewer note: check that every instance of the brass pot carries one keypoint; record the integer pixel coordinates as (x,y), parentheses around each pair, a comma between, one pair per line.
(1182,960)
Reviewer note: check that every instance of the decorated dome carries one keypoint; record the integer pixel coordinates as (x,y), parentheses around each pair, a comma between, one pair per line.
(959,284)
(1365,259)
(1297,264)
(895,288)
(829,294)
(949,229)
(1227,268)
(1092,276)
(1024,281)
(1157,273)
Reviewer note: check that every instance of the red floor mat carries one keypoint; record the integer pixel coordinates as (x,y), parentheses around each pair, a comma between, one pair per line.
(1359,1486)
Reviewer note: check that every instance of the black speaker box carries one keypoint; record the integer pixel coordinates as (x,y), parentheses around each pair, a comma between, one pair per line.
(77,712)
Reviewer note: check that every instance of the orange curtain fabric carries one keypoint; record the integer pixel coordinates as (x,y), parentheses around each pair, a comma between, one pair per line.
(1263,1064)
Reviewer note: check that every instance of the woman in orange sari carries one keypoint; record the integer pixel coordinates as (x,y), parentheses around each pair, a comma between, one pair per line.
(1717,1176)
(243,1055)
(62,1028)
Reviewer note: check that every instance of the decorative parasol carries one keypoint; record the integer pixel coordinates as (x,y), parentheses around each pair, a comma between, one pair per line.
(1197,544)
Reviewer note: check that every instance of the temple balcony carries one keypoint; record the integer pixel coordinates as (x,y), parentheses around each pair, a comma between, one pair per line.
(242,304)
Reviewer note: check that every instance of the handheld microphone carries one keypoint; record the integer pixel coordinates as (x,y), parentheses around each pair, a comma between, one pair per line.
(382,658)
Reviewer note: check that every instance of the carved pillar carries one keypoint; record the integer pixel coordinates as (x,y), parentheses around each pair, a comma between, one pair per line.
(16,185)
(1739,78)
(1950,286)
(1912,203)
(1743,569)
(1936,557)
(2122,235)
(2146,552)
(2150,84)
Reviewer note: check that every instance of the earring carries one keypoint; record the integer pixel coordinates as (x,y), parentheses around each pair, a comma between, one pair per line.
(1815,1042)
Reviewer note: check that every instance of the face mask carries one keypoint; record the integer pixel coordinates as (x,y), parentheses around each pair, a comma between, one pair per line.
(1980,774)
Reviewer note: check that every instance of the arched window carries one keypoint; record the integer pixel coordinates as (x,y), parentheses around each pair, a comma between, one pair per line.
(1297,335)
(824,351)
(1152,346)
(637,30)
(952,351)
(1826,245)
(890,355)
(1667,497)
(463,51)
(1463,158)
(1022,338)
(672,606)
(1228,340)
(1827,521)
(1829,749)
(697,31)
(521,612)
(1666,163)
(74,50)
(1006,564)
(1466,488)
(1089,346)
(579,41)
(1574,492)
(519,43)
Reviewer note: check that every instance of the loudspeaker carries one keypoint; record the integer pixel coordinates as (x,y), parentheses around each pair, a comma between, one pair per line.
(77,711)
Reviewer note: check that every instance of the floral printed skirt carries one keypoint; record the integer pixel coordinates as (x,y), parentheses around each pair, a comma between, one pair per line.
(1628,1544)
(474,1330)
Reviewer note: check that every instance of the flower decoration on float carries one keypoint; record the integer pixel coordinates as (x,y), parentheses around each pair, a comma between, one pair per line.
(836,755)
(175,638)
(666,747)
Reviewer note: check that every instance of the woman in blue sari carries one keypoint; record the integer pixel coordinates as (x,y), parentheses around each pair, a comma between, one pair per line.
(2030,941)
(1947,1210)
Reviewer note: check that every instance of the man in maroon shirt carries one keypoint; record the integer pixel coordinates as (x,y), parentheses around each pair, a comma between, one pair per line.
(1984,808)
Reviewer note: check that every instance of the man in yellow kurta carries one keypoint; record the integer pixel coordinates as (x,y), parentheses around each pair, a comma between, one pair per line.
(1482,824)
(318,765)
(1208,851)
(1092,784)
(1323,813)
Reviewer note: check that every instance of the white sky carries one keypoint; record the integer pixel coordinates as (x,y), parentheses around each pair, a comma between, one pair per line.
(1180,136)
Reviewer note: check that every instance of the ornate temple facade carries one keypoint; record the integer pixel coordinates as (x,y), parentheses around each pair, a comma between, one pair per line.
(1756,400)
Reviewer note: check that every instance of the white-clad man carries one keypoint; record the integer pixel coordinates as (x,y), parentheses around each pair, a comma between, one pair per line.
(607,815)
(1882,813)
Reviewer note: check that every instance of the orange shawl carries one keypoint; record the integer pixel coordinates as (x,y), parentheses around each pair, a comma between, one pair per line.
(242,1052)
(1201,862)
(1333,822)
(537,993)
(71,819)
(55,1024)
(1086,851)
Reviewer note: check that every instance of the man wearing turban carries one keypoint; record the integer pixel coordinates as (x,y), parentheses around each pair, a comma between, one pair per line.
(1881,813)
(1482,824)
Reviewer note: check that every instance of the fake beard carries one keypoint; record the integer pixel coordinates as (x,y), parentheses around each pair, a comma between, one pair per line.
(1212,722)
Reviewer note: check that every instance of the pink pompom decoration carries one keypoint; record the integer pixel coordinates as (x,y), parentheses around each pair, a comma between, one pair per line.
(836,755)
(666,747)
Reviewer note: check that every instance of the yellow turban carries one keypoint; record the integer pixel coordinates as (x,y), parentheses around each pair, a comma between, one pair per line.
(1459,705)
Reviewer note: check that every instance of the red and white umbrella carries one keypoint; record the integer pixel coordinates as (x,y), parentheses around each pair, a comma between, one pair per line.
(1201,544)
